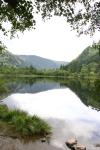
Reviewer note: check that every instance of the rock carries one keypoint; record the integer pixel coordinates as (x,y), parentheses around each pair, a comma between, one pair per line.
(79,147)
(97,145)
(73,145)
(71,142)
(43,140)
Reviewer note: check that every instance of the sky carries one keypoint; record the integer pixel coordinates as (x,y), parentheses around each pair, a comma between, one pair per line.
(51,39)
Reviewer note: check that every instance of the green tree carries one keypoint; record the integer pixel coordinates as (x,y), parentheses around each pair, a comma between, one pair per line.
(83,15)
(84,71)
(18,14)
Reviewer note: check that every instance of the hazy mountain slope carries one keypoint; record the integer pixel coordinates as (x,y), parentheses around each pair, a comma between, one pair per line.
(39,62)
(9,59)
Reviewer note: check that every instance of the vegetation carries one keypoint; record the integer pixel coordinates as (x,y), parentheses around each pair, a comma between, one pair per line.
(86,89)
(87,65)
(20,124)
(13,65)
(83,15)
(32,72)
(18,15)
(79,13)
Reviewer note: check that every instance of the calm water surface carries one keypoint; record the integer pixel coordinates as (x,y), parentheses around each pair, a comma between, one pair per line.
(70,114)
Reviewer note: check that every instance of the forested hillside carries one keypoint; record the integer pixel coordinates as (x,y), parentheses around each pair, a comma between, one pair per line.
(88,63)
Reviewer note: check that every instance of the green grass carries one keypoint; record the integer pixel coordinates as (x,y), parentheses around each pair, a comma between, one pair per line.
(19,124)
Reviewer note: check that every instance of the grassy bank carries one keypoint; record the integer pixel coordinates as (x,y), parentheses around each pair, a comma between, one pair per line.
(19,124)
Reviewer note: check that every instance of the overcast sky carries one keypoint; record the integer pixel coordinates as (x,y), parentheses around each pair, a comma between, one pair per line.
(52,39)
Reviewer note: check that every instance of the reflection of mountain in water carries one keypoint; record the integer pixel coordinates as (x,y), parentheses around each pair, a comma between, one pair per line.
(88,92)
(26,85)
(34,88)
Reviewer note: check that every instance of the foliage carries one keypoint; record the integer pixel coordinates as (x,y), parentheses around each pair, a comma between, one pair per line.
(87,90)
(21,124)
(86,65)
(83,15)
(31,71)
(17,14)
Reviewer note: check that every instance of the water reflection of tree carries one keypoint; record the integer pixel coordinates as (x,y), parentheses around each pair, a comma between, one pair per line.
(87,91)
(9,85)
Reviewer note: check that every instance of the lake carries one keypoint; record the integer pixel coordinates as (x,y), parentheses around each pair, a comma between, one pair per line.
(71,107)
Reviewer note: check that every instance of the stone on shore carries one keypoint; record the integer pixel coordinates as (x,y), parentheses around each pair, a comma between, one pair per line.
(43,140)
(79,147)
(71,142)
(73,145)
(97,145)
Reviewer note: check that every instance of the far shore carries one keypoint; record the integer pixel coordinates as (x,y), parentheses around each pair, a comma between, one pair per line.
(50,76)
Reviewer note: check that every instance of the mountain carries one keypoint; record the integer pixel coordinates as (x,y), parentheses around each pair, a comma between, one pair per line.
(39,62)
(88,61)
(9,59)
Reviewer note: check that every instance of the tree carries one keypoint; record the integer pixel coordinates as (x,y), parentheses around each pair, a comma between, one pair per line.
(83,15)
(97,46)
(18,14)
